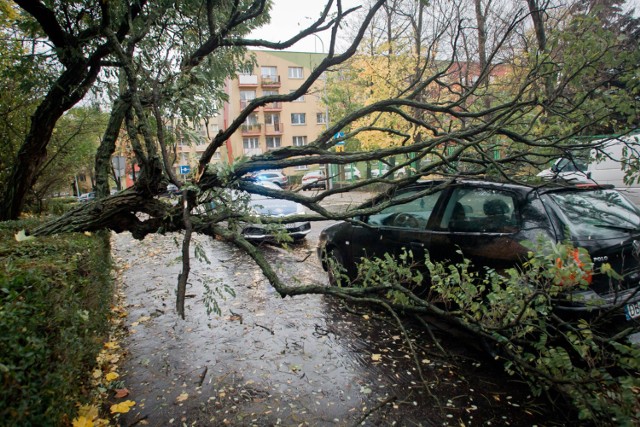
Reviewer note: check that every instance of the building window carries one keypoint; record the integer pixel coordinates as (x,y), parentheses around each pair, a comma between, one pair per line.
(298,118)
(246,96)
(296,73)
(273,142)
(250,143)
(298,99)
(321,118)
(216,156)
(269,92)
(269,72)
(299,141)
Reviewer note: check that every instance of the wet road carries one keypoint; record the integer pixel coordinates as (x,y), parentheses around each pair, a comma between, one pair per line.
(306,360)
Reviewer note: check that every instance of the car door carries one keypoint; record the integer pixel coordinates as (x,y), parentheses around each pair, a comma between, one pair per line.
(400,226)
(482,222)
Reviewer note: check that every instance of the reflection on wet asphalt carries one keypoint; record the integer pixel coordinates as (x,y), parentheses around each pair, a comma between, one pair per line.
(271,361)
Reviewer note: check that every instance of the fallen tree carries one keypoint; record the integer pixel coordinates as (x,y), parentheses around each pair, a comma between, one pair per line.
(443,112)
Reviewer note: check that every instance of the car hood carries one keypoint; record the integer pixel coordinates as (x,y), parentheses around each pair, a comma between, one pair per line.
(274,207)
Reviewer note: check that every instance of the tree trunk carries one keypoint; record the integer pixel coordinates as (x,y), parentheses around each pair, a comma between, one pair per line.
(108,146)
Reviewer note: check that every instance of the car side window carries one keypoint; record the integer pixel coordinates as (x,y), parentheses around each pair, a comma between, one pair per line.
(414,213)
(480,210)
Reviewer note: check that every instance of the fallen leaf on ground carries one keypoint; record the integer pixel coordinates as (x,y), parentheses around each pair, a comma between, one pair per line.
(122,407)
(121,392)
(376,357)
(182,397)
(111,376)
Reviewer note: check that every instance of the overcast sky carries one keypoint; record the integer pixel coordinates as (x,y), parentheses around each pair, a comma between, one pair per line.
(288,17)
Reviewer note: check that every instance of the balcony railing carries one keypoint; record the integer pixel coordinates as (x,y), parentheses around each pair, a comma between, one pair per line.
(270,81)
(273,106)
(247,80)
(274,128)
(251,129)
(252,151)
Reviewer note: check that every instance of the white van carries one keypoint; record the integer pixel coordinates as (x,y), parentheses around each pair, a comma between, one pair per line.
(607,164)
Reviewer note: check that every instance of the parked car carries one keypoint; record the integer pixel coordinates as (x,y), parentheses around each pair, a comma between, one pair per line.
(377,172)
(278,208)
(568,170)
(350,170)
(314,179)
(276,177)
(489,222)
(87,196)
(608,165)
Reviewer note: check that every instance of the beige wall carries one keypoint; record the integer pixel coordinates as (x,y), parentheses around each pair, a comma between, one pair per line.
(279,72)
(189,152)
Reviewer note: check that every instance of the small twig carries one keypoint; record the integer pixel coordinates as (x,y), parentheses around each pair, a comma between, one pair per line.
(305,258)
(430,331)
(137,420)
(202,376)
(239,316)
(375,408)
(264,327)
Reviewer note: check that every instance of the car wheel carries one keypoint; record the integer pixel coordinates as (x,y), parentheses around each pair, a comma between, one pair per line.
(334,261)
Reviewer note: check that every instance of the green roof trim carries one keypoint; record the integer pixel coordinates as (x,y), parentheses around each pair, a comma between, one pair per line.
(303,59)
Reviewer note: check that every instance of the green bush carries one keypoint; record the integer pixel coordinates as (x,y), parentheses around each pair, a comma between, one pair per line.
(60,205)
(55,294)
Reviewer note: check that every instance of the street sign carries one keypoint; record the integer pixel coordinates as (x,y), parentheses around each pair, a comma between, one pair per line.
(185,169)
(339,148)
(338,136)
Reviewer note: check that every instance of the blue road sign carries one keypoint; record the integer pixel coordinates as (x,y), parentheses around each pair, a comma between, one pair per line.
(185,169)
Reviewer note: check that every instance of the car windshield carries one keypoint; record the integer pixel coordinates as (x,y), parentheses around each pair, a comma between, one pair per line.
(598,214)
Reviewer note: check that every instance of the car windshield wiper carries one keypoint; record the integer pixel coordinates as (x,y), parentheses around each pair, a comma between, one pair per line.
(629,229)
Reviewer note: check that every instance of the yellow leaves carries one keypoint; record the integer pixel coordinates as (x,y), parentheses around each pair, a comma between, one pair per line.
(182,397)
(88,417)
(112,376)
(122,407)
(111,345)
(82,422)
(376,357)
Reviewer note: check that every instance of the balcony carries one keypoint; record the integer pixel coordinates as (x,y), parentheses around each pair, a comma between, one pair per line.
(252,152)
(251,129)
(270,81)
(273,106)
(247,80)
(274,128)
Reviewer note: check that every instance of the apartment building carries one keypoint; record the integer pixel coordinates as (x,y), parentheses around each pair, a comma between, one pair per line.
(193,140)
(276,124)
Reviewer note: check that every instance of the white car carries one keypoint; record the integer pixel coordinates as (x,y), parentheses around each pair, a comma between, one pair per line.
(314,179)
(349,170)
(276,177)
(378,172)
(568,170)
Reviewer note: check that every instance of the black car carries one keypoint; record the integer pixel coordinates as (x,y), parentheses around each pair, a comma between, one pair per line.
(488,222)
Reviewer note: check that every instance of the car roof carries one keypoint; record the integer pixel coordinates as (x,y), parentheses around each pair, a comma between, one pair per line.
(522,188)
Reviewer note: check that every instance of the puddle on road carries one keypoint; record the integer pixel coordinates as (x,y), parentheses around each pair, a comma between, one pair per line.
(272,361)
